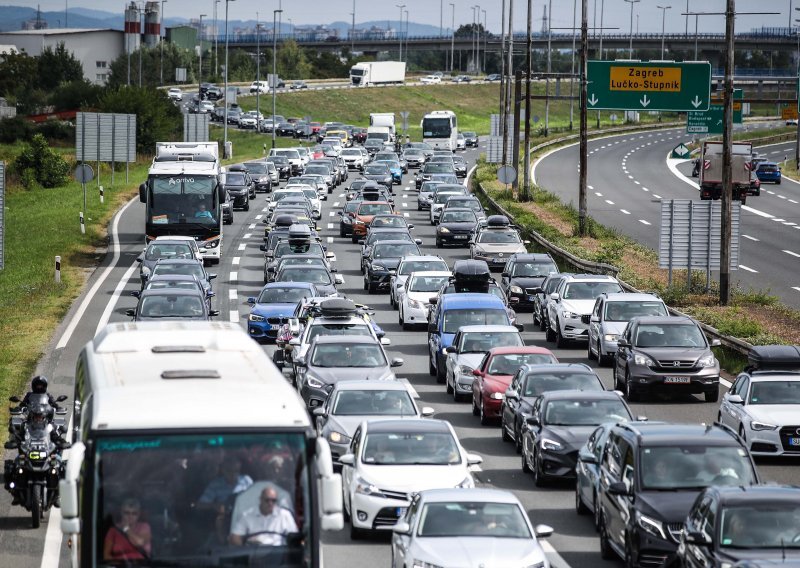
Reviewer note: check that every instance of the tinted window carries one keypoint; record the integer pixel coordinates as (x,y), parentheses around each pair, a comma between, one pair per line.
(669,335)
(589,290)
(282,295)
(537,384)
(348,355)
(510,363)
(417,448)
(694,467)
(422,265)
(498,237)
(481,342)
(453,319)
(465,519)
(585,412)
(626,311)
(373,402)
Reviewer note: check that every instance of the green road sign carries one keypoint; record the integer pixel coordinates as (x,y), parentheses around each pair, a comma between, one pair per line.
(711,121)
(653,85)
(681,152)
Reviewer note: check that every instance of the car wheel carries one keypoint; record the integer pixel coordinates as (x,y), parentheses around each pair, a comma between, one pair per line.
(631,394)
(561,342)
(606,552)
(603,360)
(504,431)
(369,288)
(391,300)
(355,533)
(456,396)
(475,411)
(246,206)
(542,322)
(342,233)
(365,284)
(438,244)
(526,468)
(447,386)
(400,319)
(742,434)
(549,334)
(596,511)
(712,396)
(354,238)
(630,559)
(517,440)
(484,419)
(440,374)
(580,506)
(538,476)
(589,354)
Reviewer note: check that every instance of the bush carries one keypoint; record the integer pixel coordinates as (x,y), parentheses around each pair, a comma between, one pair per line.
(38,164)
(56,130)
(14,130)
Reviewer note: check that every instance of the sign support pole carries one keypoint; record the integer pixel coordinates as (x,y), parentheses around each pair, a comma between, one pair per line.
(584,135)
(727,148)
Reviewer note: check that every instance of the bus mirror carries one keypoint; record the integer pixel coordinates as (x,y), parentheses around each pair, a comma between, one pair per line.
(220,192)
(68,487)
(143,192)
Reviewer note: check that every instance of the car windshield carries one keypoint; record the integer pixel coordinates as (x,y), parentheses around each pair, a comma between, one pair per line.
(482,341)
(442,197)
(163,250)
(458,217)
(286,247)
(585,412)
(465,203)
(394,250)
(775,392)
(466,519)
(377,169)
(184,306)
(429,186)
(282,295)
(508,364)
(310,193)
(377,236)
(315,261)
(669,335)
(626,311)
(589,290)
(410,266)
(351,152)
(427,283)
(470,135)
(374,208)
(256,167)
(348,355)
(765,525)
(453,319)
(498,237)
(392,221)
(182,284)
(438,168)
(411,448)
(319,170)
(278,195)
(316,330)
(694,467)
(188,268)
(314,276)
(533,269)
(373,403)
(536,384)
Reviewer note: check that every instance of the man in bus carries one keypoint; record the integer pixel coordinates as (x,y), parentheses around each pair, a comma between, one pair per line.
(268,524)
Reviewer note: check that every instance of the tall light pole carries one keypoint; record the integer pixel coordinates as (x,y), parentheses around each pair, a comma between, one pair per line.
(161,42)
(485,40)
(572,67)
(400,31)
(200,42)
(549,68)
(216,37)
(663,18)
(477,26)
(602,11)
(630,46)
(406,35)
(291,27)
(258,68)
(686,32)
(353,30)
(141,24)
(274,87)
(452,37)
(225,128)
(441,18)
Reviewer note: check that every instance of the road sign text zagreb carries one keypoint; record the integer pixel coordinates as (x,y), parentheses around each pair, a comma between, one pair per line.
(646,79)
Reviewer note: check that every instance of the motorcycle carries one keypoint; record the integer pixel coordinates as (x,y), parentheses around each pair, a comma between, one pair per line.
(33,476)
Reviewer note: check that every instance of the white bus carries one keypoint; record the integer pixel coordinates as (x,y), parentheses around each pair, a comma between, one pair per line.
(440,129)
(186,432)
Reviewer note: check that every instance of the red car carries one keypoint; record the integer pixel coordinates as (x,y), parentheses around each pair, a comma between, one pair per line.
(494,376)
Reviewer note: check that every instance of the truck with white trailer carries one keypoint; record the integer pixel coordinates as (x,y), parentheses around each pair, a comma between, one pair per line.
(711,170)
(369,73)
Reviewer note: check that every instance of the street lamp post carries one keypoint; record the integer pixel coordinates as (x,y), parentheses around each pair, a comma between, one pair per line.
(258,69)
(441,18)
(630,46)
(274,86)
(216,59)
(663,18)
(485,40)
(141,23)
(291,28)
(602,12)
(161,42)
(225,128)
(452,37)
(200,42)
(477,8)
(400,31)
(406,34)
(353,30)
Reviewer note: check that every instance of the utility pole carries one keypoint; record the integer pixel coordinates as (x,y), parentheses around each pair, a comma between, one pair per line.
(441,18)
(353,30)
(225,128)
(515,146)
(509,72)
(274,86)
(453,37)
(258,70)
(549,69)
(200,52)
(216,40)
(584,134)
(727,149)
(572,68)
(141,45)
(161,42)
(630,46)
(485,40)
(526,182)
(400,31)
(503,65)
(663,19)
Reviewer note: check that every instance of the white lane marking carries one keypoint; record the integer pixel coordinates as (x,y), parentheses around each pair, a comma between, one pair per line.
(778,220)
(405,196)
(76,319)
(405,214)
(233,277)
(792,201)
(330,239)
(242,246)
(625,211)
(332,213)
(792,253)
(590,187)
(630,177)
(796,288)
(265,210)
(405,204)
(259,216)
(609,202)
(656,196)
(643,222)
(410,387)
(341,195)
(556,560)
(234,316)
(747,268)
(233,294)
(770,192)
(645,189)
(637,183)
(790,224)
(236,260)
(115,297)
(336,203)
(330,225)
(751,238)
(247,235)
(598,194)
(252,226)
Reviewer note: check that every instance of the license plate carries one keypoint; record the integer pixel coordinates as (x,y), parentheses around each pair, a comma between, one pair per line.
(460,236)
(275,326)
(794,441)
(677,380)
(531,298)
(401,511)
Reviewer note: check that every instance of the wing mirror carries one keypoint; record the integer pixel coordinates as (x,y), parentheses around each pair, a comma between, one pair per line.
(397,362)
(715,343)
(426,411)
(212,276)
(386,341)
(623,343)
(474,459)
(735,399)
(251,300)
(512,394)
(543,531)
(432,328)
(213,313)
(347,459)
(338,279)
(587,457)
(451,349)
(533,421)
(130,313)
(618,488)
(697,538)
(135,293)
(401,528)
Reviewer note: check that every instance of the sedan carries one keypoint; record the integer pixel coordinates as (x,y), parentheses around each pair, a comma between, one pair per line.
(156,251)
(471,138)
(260,173)
(455,227)
(408,265)
(559,424)
(380,173)
(431,80)
(391,460)
(170,305)
(587,471)
(414,301)
(187,266)
(285,129)
(323,280)
(467,527)
(382,262)
(298,85)
(241,187)
(273,305)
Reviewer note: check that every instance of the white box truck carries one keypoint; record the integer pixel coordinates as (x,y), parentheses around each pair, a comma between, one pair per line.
(711,170)
(381,125)
(370,73)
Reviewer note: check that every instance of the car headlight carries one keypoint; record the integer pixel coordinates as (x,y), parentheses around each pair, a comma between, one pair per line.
(465,370)
(347,220)
(762,426)
(416,304)
(497,396)
(365,488)
(422,564)
(611,336)
(566,314)
(314,382)
(466,483)
(378,267)
(652,526)
(359,222)
(551,445)
(338,437)
(641,359)
(707,360)
(441,229)
(255,317)
(516,290)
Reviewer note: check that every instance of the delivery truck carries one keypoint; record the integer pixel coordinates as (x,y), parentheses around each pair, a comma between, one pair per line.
(711,170)
(370,73)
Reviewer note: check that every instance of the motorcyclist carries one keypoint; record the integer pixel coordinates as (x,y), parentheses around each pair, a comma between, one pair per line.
(45,405)
(38,388)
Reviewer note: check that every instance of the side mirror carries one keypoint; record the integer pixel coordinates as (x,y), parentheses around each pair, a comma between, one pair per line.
(15,399)
(735,399)
(513,300)
(520,327)
(397,362)
(338,279)
(401,528)
(543,531)
(135,293)
(210,294)
(386,341)
(433,300)
(330,256)
(143,193)
(451,349)
(512,394)
(212,276)
(213,313)
(697,538)
(587,457)
(319,411)
(251,300)
(618,488)
(477,373)
(533,421)
(623,343)
(418,241)
(715,343)
(294,341)
(61,398)
(474,459)
(347,459)
(130,313)
(361,242)
(432,328)
(426,411)
(410,226)
(263,248)
(555,296)
(140,258)
(526,242)
(505,275)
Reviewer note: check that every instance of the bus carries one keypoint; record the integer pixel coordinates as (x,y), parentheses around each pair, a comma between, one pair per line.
(183,195)
(440,129)
(190,427)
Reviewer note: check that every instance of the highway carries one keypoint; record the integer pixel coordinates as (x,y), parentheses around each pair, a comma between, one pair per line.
(629,174)
(240,275)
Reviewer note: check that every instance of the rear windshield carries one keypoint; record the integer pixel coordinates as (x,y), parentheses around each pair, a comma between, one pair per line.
(536,384)
(454,319)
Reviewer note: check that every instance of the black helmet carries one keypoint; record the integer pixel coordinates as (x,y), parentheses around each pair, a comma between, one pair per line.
(39,384)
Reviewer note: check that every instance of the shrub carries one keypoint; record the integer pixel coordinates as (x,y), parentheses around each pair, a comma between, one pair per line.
(38,163)
(15,129)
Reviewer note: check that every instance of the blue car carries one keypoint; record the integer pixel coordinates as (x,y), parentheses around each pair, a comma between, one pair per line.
(395,169)
(769,172)
(275,303)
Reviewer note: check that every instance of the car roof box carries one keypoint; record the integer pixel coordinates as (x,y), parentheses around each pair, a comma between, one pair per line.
(497,221)
(299,232)
(285,220)
(471,276)
(774,357)
(337,307)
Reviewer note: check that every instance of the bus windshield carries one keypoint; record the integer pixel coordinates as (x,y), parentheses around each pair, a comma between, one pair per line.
(436,127)
(196,499)
(181,199)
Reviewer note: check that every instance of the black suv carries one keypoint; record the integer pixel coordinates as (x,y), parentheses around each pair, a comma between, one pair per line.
(523,274)
(650,474)
(727,524)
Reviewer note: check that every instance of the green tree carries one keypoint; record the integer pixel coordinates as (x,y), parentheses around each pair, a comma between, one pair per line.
(18,75)
(76,95)
(242,65)
(56,66)
(39,164)
(173,57)
(157,119)
(326,65)
(292,62)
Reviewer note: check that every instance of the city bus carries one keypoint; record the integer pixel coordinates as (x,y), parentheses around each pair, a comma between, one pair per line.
(440,129)
(164,412)
(183,195)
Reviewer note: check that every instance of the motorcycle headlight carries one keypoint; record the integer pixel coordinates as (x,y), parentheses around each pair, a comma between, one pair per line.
(314,382)
(552,445)
(465,370)
(707,360)
(466,483)
(762,426)
(641,359)
(255,317)
(338,437)
(497,396)
(359,222)
(611,336)
(516,290)
(441,229)
(652,526)
(365,488)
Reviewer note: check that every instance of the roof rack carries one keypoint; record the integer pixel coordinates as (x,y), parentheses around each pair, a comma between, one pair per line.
(773,358)
(500,221)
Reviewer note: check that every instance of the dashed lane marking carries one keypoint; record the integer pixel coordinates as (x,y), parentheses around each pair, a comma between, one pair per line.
(644,222)
(750,238)
(247,235)
(330,225)
(233,277)
(234,316)
(747,268)
(242,246)
(252,226)
(259,216)
(609,202)
(236,260)
(233,294)
(792,253)
(625,211)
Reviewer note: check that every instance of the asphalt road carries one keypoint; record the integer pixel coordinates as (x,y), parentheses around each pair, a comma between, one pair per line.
(240,275)
(629,174)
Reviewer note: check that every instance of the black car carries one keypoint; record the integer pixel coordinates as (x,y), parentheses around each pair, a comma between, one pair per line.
(241,187)
(373,145)
(323,280)
(375,236)
(455,227)
(379,173)
(346,217)
(729,524)
(559,424)
(171,304)
(651,474)
(282,165)
(260,174)
(532,381)
(303,130)
(285,129)
(523,274)
(382,262)
(471,138)
(492,77)
(234,115)
(227,209)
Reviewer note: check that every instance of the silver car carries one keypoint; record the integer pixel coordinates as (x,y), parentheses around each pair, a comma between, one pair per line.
(467,527)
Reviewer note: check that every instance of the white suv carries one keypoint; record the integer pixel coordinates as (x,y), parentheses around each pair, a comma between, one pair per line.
(572,300)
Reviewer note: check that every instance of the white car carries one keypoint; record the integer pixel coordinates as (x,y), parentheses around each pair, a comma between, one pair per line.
(437,204)
(314,180)
(415,299)
(279,194)
(248,120)
(470,345)
(574,298)
(467,527)
(390,460)
(310,193)
(205,107)
(354,158)
(175,94)
(259,87)
(430,80)
(408,265)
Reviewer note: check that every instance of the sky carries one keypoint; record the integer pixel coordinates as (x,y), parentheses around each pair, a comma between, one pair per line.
(617,12)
